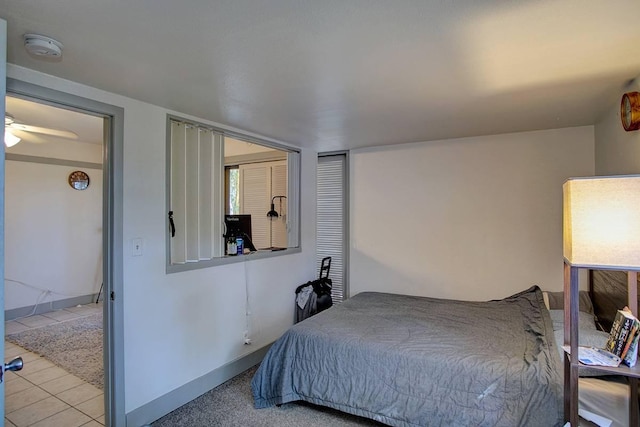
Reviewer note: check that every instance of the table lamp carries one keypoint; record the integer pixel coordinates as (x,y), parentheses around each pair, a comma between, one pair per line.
(601,230)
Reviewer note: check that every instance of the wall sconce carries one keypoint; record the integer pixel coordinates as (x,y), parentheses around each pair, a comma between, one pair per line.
(273,213)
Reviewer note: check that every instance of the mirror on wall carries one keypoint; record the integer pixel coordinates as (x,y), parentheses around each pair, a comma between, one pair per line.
(256,185)
(227,195)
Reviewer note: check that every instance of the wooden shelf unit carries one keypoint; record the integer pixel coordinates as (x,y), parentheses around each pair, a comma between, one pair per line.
(572,365)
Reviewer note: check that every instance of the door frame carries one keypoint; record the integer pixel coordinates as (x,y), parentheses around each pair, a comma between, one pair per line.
(112,232)
(3,79)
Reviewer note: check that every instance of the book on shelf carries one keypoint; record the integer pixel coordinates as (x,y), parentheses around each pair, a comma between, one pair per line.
(623,337)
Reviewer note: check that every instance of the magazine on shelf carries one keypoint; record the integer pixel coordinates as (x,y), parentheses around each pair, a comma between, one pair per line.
(595,356)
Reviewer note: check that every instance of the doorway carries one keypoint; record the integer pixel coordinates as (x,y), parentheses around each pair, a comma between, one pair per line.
(112,119)
(53,260)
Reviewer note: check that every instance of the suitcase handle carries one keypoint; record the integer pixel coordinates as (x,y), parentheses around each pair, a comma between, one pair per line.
(325,266)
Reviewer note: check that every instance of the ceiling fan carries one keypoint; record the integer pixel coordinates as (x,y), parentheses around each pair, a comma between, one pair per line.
(14,131)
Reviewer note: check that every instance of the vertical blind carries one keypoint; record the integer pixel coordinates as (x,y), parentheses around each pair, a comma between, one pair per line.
(331,220)
(196,193)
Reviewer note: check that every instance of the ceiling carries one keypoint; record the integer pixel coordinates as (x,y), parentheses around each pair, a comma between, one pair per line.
(340,74)
(88,128)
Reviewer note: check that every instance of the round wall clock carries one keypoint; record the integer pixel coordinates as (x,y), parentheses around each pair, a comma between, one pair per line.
(630,111)
(78,180)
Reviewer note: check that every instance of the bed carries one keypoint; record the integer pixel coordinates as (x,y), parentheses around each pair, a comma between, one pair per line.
(408,361)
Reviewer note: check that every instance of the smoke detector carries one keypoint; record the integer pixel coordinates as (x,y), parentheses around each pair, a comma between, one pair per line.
(42,46)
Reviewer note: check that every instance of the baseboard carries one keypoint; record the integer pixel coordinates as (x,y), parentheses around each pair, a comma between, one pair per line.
(171,401)
(46,307)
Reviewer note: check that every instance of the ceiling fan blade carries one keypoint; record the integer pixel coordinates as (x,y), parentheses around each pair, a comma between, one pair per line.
(45,131)
(30,136)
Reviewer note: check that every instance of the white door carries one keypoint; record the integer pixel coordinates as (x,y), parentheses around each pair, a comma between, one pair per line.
(3,91)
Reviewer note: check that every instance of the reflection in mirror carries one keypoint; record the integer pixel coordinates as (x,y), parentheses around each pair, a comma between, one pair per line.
(223,187)
(256,179)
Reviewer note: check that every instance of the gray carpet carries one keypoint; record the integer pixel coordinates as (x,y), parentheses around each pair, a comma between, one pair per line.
(74,345)
(231,404)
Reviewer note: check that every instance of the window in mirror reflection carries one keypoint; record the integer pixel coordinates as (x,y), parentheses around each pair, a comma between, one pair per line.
(257,175)
(221,186)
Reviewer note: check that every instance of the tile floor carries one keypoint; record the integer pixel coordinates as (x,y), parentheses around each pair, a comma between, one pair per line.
(42,394)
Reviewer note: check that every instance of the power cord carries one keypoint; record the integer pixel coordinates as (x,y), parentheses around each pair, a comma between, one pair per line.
(43,294)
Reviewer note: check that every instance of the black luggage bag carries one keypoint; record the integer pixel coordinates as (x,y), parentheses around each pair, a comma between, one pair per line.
(315,295)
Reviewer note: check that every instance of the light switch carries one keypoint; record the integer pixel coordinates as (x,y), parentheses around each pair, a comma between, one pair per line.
(137,246)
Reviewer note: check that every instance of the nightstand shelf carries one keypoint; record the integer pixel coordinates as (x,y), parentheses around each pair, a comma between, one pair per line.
(572,366)
(620,370)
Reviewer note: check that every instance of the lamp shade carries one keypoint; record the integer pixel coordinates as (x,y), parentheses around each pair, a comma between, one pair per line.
(601,222)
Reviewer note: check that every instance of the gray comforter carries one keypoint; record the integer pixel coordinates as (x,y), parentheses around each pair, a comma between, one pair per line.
(415,361)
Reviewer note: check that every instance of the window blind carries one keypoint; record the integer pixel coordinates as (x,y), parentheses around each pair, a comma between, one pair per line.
(259,182)
(254,200)
(279,188)
(196,195)
(331,230)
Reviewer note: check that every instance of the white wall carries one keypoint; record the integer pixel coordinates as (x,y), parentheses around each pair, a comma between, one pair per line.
(617,151)
(474,218)
(53,234)
(181,326)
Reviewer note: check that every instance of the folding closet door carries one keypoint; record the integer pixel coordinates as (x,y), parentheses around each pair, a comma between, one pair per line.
(332,216)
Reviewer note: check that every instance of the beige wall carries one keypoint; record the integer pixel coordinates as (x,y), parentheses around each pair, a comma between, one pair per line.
(53,234)
(473,218)
(617,151)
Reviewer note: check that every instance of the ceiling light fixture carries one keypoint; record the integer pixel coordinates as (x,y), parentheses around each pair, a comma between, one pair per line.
(10,139)
(42,46)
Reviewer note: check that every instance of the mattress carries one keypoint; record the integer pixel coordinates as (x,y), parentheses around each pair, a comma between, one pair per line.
(407,361)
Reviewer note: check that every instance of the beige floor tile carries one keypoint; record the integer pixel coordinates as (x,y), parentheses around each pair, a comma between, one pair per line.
(61,315)
(35,365)
(15,385)
(19,400)
(44,375)
(8,423)
(12,350)
(92,423)
(37,411)
(100,419)
(79,394)
(68,418)
(13,327)
(34,321)
(84,310)
(28,356)
(94,407)
(61,384)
